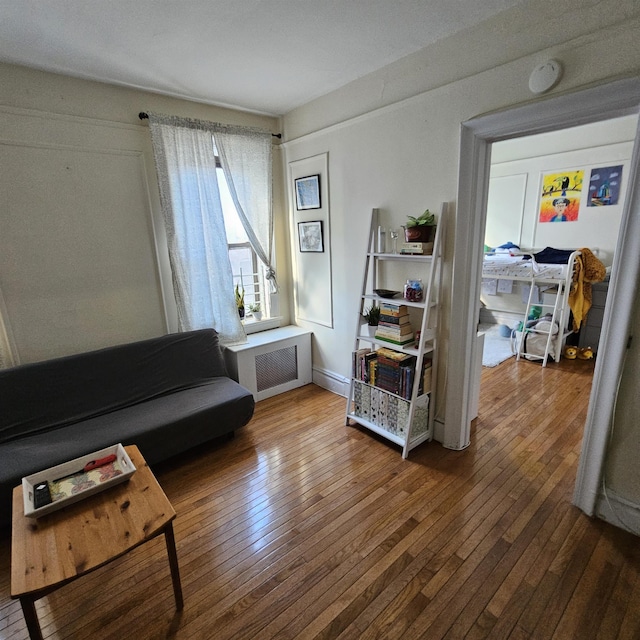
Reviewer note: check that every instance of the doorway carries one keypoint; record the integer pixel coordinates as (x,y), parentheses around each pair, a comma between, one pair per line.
(608,101)
(521,170)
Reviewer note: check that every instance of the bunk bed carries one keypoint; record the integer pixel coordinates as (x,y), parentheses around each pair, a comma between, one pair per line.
(550,269)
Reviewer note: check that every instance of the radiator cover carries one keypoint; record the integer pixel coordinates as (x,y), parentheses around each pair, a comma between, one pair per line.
(272,362)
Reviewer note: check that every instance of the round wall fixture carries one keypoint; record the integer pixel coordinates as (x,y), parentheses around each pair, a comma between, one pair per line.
(545,77)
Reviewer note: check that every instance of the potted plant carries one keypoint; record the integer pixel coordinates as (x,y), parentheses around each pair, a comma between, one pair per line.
(372,316)
(256,310)
(240,301)
(420,229)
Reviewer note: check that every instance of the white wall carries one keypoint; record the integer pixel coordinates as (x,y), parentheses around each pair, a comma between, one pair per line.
(79,267)
(526,160)
(393,136)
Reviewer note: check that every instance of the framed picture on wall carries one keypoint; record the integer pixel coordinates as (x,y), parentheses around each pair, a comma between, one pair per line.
(604,186)
(310,237)
(560,197)
(308,192)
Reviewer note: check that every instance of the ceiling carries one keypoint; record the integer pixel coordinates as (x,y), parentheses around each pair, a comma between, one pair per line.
(267,56)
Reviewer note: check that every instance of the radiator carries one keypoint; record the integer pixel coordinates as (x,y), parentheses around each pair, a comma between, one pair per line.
(271,362)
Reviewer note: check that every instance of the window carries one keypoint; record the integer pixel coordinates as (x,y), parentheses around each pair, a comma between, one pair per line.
(248,271)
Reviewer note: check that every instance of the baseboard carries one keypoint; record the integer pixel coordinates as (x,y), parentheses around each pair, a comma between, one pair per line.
(331,381)
(618,511)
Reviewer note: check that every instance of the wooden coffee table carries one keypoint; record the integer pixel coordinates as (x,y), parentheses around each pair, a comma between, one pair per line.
(58,548)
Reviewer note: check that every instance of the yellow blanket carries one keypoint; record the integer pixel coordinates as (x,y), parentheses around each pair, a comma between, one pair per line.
(587,269)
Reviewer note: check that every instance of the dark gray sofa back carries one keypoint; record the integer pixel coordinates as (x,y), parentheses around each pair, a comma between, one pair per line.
(44,395)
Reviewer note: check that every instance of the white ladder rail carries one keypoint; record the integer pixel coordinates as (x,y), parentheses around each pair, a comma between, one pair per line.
(559,315)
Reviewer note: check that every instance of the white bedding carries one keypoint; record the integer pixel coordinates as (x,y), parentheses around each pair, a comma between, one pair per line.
(503,265)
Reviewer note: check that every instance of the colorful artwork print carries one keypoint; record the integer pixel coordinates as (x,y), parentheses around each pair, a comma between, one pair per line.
(560,198)
(604,186)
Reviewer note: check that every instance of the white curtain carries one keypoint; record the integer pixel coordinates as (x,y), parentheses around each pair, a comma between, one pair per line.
(245,155)
(190,200)
(6,355)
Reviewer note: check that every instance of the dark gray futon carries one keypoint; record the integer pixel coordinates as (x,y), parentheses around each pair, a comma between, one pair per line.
(165,395)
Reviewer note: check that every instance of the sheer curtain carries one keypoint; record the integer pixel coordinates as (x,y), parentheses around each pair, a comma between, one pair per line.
(245,155)
(190,200)
(6,355)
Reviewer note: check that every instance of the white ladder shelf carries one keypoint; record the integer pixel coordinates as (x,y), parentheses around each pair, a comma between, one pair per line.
(407,420)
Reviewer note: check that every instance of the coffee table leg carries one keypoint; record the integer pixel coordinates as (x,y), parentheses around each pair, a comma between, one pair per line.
(173,564)
(31,617)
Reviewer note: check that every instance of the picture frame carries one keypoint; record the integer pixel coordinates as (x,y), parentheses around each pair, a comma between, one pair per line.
(310,237)
(308,192)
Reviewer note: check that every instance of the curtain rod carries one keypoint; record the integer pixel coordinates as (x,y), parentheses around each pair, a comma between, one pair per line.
(145,116)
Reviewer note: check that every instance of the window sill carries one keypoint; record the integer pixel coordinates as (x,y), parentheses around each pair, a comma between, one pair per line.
(255,326)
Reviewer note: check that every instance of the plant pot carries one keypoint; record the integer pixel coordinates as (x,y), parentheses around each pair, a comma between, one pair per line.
(241,312)
(369,329)
(257,315)
(421,233)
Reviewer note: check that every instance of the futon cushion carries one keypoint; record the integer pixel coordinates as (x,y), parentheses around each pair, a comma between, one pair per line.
(41,396)
(161,427)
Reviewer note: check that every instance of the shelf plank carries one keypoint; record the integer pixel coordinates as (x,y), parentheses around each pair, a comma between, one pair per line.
(409,257)
(399,440)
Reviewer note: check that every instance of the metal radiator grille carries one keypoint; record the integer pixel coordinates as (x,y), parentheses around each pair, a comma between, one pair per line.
(276,368)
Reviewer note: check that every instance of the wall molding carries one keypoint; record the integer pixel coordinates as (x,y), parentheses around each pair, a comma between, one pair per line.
(65,117)
(313,277)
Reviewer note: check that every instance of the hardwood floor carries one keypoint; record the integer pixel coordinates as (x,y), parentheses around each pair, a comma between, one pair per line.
(303,528)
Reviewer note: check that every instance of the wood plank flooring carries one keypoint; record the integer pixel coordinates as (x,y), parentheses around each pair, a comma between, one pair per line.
(302,527)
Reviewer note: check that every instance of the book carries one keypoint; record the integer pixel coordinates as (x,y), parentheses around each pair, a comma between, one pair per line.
(402,342)
(370,367)
(398,356)
(358,357)
(397,329)
(394,309)
(394,335)
(394,319)
(426,380)
(419,248)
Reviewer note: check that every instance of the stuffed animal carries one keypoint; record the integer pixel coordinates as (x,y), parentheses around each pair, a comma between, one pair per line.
(585,353)
(570,352)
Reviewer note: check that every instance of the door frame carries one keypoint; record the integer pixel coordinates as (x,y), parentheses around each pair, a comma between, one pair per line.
(611,100)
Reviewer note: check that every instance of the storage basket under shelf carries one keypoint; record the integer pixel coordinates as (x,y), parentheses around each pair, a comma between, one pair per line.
(388,411)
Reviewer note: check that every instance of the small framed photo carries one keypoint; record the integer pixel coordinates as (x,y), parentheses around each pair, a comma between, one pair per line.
(308,192)
(310,237)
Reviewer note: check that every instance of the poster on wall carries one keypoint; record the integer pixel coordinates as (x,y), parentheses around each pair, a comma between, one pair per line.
(604,186)
(560,198)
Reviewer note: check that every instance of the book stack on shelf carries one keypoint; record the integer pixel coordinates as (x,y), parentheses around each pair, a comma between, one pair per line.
(394,325)
(417,248)
(364,365)
(395,372)
(387,369)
